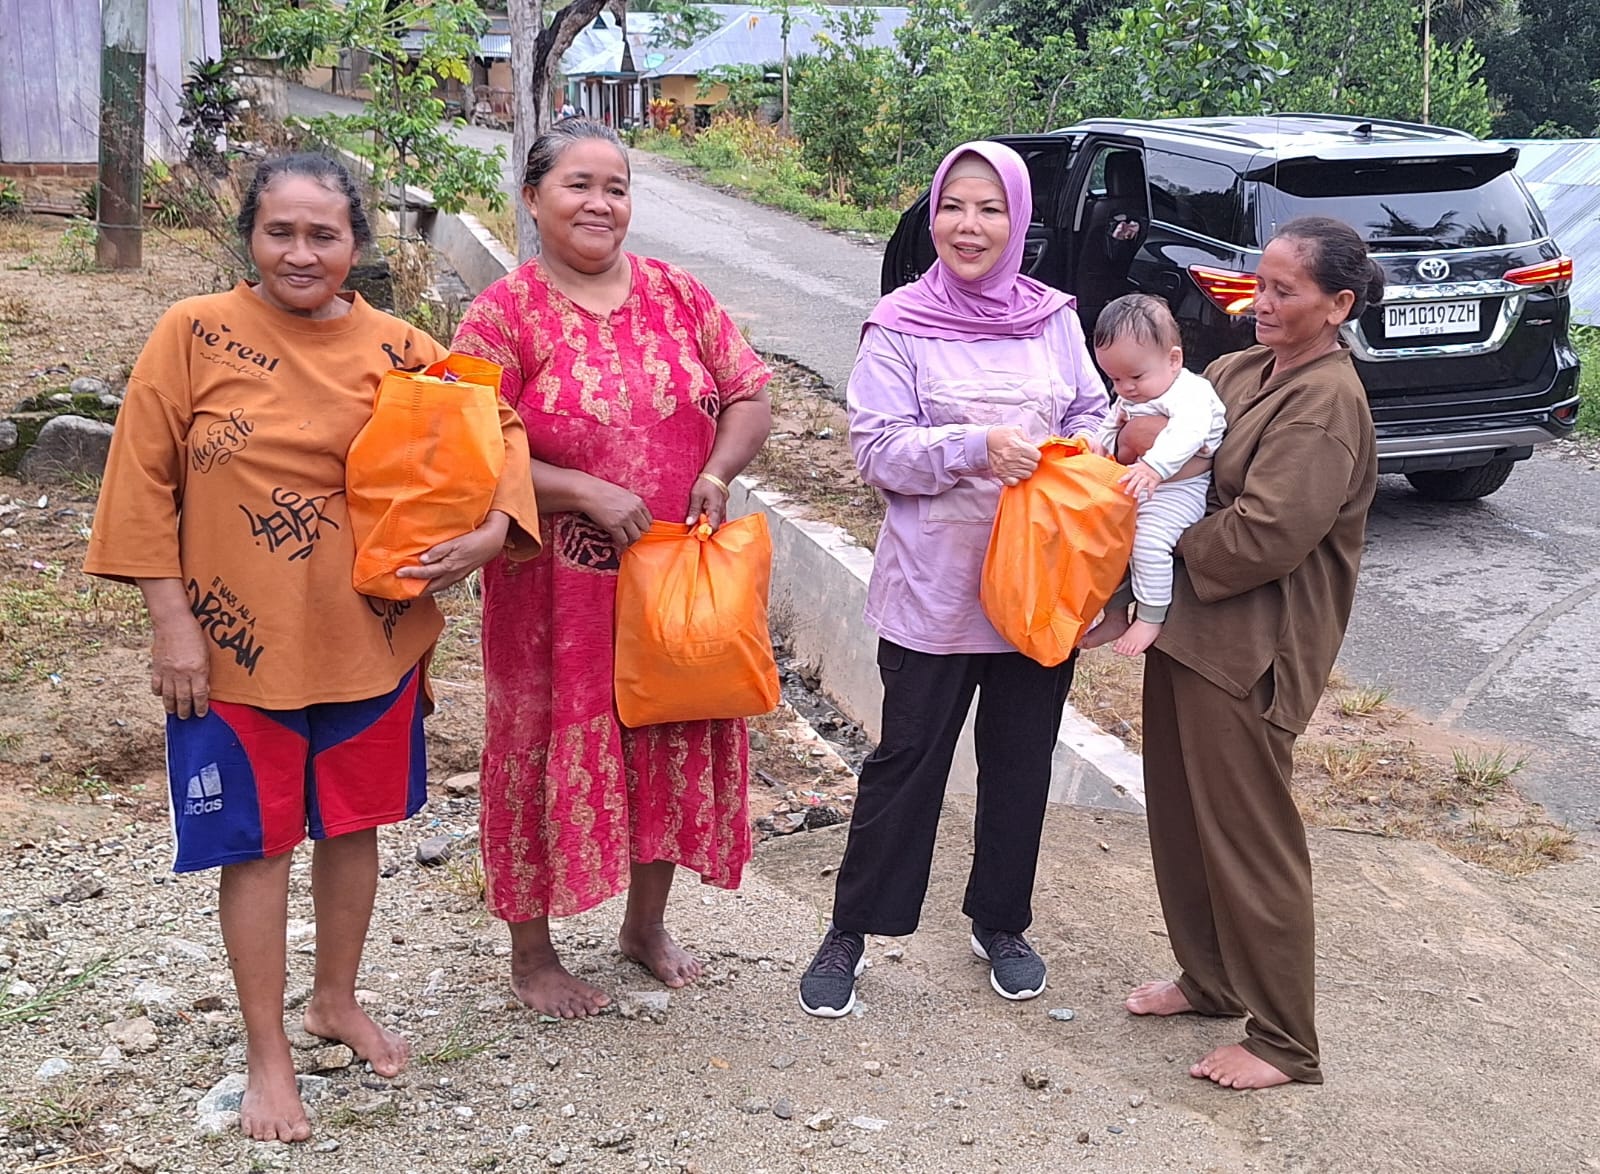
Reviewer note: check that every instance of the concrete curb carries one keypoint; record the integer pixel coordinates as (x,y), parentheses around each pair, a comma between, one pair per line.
(819,588)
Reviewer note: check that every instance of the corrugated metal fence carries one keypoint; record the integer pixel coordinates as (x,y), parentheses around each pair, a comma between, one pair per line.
(1564,176)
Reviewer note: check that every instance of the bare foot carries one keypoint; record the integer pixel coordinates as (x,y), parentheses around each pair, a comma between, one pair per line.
(1107,630)
(542,984)
(271,1108)
(653,948)
(1139,636)
(1233,1067)
(345,1021)
(1158,998)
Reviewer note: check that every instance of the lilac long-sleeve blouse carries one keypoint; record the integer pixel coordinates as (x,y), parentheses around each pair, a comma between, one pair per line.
(920,412)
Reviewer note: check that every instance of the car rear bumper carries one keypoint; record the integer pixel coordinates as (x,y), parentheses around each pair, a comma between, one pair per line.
(1460,444)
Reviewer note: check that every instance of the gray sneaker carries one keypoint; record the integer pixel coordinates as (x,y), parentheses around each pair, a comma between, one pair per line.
(1015,969)
(828,987)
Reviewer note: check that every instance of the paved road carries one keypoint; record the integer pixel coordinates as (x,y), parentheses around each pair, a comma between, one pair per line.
(1481,616)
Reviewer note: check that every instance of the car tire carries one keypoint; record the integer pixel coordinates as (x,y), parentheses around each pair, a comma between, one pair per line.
(1461,484)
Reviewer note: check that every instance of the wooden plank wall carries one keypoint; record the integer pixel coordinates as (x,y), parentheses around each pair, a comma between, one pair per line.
(49,81)
(50,76)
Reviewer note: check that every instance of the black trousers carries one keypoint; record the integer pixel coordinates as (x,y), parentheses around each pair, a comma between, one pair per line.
(884,875)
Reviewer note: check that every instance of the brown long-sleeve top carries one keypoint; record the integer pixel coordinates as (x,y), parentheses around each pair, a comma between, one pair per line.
(1269,574)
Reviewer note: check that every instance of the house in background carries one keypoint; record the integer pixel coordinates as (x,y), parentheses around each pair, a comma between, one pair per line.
(50,81)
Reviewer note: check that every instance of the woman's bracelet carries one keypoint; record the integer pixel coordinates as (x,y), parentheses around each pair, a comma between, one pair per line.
(718,482)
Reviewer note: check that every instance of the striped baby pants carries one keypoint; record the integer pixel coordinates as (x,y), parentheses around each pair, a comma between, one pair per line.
(1163,517)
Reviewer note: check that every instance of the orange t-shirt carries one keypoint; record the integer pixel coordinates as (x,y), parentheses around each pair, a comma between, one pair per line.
(227,471)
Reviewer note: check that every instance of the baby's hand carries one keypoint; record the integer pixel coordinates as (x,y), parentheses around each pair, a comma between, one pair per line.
(1140,481)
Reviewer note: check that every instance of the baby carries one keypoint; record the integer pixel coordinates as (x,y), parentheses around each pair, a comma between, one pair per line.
(1136,344)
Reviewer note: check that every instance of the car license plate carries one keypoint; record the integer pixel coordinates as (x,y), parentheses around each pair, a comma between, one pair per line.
(1420,319)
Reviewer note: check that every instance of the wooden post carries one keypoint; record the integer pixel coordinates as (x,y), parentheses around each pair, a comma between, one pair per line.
(119,198)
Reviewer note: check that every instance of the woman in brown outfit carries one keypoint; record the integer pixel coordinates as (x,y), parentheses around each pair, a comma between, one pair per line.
(1260,604)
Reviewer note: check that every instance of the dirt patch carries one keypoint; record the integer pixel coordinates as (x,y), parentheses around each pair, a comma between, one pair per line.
(1364,765)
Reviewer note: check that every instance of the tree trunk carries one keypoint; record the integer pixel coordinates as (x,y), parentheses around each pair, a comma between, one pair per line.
(527,20)
(119,202)
(535,57)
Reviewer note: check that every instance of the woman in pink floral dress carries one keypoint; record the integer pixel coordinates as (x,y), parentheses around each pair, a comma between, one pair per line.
(642,400)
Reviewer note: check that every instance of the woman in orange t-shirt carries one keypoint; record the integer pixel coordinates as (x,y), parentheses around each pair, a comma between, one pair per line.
(294,703)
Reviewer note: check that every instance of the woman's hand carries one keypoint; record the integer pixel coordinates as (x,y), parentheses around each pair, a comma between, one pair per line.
(710,498)
(621,514)
(450,562)
(1011,457)
(180,666)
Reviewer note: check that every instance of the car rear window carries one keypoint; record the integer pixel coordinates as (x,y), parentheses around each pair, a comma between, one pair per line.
(1403,207)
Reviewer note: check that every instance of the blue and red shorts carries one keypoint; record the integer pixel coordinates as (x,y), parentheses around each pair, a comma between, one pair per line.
(249,783)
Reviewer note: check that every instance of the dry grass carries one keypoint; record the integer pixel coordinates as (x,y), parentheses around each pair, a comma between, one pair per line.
(502,224)
(15,309)
(60,1115)
(1363,700)
(1108,689)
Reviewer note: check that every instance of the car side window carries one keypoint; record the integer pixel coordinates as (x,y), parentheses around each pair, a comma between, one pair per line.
(1194,194)
(1044,172)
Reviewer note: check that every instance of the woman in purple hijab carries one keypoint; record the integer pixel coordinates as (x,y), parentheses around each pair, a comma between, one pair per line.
(960,376)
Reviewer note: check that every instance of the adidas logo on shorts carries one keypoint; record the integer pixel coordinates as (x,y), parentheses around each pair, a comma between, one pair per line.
(205,792)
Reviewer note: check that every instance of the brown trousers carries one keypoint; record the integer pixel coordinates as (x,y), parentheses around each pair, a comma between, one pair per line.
(1231,861)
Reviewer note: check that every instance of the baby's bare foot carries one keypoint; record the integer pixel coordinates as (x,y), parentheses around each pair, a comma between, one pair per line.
(1139,636)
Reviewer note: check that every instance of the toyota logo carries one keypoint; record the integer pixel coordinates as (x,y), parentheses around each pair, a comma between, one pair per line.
(1433,269)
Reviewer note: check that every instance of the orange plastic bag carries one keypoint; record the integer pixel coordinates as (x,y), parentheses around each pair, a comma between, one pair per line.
(692,638)
(1058,551)
(423,470)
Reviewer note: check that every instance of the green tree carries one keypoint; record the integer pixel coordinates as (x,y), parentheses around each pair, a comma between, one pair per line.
(1033,22)
(401,131)
(1542,68)
(836,102)
(1195,58)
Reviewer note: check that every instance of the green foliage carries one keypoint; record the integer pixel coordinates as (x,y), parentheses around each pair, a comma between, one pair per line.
(1032,21)
(750,88)
(837,100)
(1542,64)
(1587,341)
(10,199)
(1197,58)
(401,131)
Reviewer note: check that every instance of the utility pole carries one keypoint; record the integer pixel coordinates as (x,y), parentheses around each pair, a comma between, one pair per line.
(119,196)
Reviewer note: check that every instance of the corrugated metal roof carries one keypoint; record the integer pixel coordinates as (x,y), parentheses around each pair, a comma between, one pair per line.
(1564,177)
(754,36)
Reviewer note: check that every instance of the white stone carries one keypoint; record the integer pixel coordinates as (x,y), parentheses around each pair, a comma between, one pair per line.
(134,1035)
(53,1067)
(153,994)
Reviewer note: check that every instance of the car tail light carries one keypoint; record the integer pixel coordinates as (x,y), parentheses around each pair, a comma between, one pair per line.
(1231,291)
(1557,274)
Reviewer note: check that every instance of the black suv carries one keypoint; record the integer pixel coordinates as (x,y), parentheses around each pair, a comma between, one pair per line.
(1467,363)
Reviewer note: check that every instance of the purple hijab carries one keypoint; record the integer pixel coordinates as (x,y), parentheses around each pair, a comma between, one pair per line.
(1003,303)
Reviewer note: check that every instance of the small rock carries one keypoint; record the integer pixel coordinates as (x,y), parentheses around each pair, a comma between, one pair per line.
(134,1035)
(186,949)
(1063,1014)
(783,1109)
(217,1124)
(462,786)
(83,889)
(111,1055)
(967,1139)
(1036,1078)
(755,1106)
(67,446)
(300,931)
(782,1061)
(53,1067)
(613,1139)
(328,1059)
(1083,1137)
(327,1147)
(894,954)
(522,1096)
(224,1097)
(22,990)
(497,1003)
(366,1103)
(651,1005)
(1113,1129)
(557,1157)
(522,1133)
(141,1163)
(870,1124)
(569,1110)
(8,435)
(873,1068)
(434,851)
(821,1122)
(153,994)
(1135,1101)
(89,385)
(209,1003)
(464,1112)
